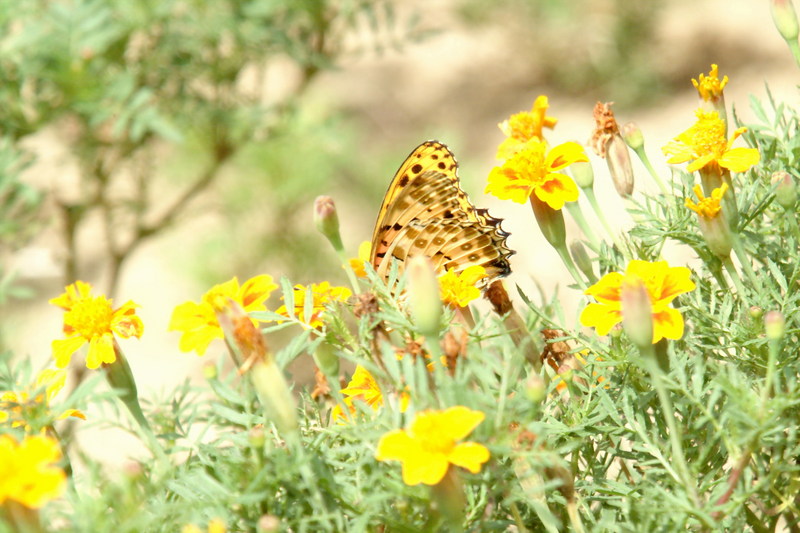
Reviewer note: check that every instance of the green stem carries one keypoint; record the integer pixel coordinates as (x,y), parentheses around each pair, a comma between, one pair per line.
(600,216)
(734,275)
(769,382)
(575,211)
(744,260)
(795,48)
(351,276)
(646,162)
(573,270)
(675,437)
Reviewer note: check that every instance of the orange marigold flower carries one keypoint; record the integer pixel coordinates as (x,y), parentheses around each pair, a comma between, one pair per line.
(198,321)
(21,407)
(322,294)
(704,144)
(663,283)
(358,263)
(524,126)
(92,319)
(430,445)
(710,87)
(707,207)
(28,471)
(458,290)
(534,170)
(363,388)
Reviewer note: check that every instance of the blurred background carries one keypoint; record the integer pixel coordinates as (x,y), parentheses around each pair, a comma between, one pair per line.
(156,148)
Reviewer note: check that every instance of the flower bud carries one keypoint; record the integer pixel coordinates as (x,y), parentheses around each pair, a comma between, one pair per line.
(257,437)
(551,222)
(619,165)
(774,325)
(583,174)
(535,388)
(327,221)
(633,135)
(210,371)
(785,19)
(423,296)
(326,359)
(785,189)
(578,252)
(637,311)
(756,312)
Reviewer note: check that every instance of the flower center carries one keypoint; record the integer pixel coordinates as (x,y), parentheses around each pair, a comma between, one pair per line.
(91,317)
(709,137)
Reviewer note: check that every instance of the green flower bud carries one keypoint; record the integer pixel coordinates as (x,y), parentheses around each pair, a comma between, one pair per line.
(774,325)
(785,19)
(581,257)
(633,136)
(619,165)
(327,221)
(756,312)
(583,174)
(423,296)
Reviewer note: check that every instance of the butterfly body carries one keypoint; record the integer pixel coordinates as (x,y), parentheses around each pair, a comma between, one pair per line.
(425,212)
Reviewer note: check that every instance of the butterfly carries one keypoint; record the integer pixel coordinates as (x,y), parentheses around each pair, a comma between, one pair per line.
(425,212)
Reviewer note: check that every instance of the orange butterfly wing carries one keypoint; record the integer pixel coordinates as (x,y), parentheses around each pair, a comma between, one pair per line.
(425,212)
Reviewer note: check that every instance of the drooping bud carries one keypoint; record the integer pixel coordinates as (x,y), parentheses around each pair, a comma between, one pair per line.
(423,296)
(785,189)
(774,325)
(327,221)
(619,165)
(637,312)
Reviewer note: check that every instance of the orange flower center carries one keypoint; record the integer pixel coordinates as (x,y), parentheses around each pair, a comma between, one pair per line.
(708,136)
(529,164)
(90,317)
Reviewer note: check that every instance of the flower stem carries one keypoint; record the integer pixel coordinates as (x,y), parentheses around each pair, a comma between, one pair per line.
(744,260)
(646,162)
(657,375)
(734,275)
(575,210)
(772,360)
(794,46)
(351,276)
(599,212)
(573,270)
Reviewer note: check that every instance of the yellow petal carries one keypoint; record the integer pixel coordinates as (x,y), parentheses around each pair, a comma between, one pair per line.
(558,190)
(255,291)
(64,348)
(458,422)
(668,324)
(469,455)
(739,159)
(601,317)
(564,155)
(395,445)
(101,350)
(424,467)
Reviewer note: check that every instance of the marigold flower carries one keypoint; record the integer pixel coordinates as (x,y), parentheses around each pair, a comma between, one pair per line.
(358,263)
(524,126)
(458,290)
(214,526)
(28,474)
(22,406)
(707,207)
(323,294)
(92,319)
(704,144)
(198,321)
(663,284)
(429,446)
(534,170)
(710,87)
(363,388)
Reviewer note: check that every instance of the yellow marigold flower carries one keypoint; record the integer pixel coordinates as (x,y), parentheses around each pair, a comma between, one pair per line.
(28,474)
(358,263)
(364,388)
(524,126)
(92,319)
(22,406)
(710,87)
(707,207)
(429,446)
(704,144)
(458,290)
(214,526)
(323,294)
(198,322)
(663,284)
(534,170)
